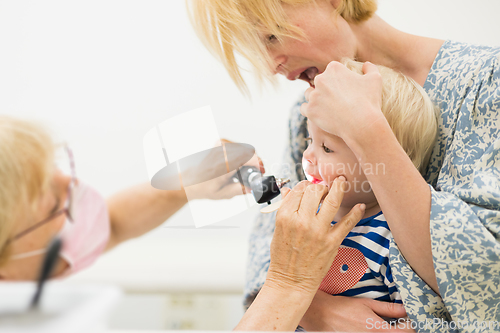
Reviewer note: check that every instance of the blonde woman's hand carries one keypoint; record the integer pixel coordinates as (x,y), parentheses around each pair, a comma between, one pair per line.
(344,102)
(329,313)
(305,243)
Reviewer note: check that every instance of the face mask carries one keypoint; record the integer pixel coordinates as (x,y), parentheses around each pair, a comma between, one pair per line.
(86,237)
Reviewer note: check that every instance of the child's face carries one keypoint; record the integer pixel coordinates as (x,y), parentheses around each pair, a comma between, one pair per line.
(328,157)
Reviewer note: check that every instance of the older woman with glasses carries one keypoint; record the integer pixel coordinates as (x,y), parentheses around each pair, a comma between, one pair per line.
(38,201)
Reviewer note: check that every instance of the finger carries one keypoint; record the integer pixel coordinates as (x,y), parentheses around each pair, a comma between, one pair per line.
(284,192)
(255,161)
(369,68)
(308,92)
(303,109)
(387,309)
(396,327)
(226,179)
(342,228)
(311,199)
(333,67)
(230,191)
(332,202)
(261,166)
(294,197)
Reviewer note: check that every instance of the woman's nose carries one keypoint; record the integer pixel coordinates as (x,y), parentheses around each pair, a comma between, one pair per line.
(279,64)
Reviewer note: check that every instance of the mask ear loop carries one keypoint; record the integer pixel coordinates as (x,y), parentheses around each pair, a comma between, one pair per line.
(41,251)
(27,254)
(73,182)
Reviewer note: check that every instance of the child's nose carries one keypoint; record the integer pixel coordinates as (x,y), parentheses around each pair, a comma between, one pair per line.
(309,156)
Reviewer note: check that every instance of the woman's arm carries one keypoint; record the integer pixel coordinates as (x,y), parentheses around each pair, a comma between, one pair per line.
(275,309)
(139,209)
(402,193)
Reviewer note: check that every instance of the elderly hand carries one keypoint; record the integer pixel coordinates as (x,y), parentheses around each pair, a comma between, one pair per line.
(305,243)
(302,250)
(343,102)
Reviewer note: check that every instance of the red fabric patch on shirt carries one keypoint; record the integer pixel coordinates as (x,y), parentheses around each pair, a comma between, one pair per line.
(347,269)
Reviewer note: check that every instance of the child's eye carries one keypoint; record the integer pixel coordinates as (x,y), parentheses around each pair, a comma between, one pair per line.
(326,149)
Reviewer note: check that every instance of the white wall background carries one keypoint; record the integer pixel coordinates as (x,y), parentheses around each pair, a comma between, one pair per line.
(101,73)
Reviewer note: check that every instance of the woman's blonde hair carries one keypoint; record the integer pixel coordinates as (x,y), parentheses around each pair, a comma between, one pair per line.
(408,110)
(230,27)
(26,166)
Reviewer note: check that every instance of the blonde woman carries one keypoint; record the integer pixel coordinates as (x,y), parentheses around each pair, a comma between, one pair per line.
(445,223)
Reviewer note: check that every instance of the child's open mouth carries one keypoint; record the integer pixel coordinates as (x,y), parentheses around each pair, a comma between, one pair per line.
(318,181)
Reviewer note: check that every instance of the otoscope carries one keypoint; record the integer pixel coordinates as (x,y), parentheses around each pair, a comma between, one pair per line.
(264,188)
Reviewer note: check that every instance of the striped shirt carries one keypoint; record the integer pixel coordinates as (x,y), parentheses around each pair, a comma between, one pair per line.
(361,267)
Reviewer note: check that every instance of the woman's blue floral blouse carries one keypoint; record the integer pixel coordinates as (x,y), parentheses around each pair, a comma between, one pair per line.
(464,177)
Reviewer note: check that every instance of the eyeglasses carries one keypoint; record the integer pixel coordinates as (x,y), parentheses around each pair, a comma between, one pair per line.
(68,208)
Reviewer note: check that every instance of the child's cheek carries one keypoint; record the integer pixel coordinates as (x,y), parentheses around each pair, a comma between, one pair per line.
(327,173)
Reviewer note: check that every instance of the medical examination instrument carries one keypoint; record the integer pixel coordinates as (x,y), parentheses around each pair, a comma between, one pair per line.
(264,188)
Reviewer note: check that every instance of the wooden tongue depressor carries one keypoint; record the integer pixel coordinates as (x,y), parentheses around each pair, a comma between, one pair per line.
(271,208)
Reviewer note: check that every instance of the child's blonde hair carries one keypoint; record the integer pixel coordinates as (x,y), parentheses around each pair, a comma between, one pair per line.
(408,110)
(26,166)
(227,27)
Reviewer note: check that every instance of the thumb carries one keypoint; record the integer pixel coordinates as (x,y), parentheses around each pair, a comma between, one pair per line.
(387,309)
(284,192)
(341,229)
(369,68)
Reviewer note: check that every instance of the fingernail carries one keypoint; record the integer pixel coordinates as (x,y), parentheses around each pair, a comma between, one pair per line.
(341,179)
(362,206)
